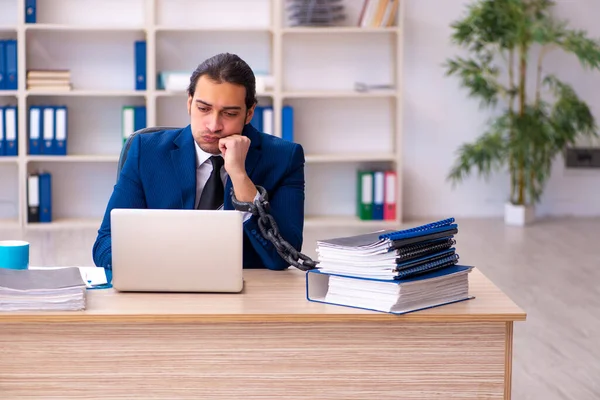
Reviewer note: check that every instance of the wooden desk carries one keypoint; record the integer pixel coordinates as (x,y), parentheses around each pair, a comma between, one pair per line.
(266,343)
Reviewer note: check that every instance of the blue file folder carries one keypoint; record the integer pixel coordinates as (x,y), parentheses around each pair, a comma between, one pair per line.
(45,180)
(287,123)
(10,48)
(30,11)
(35,130)
(2,133)
(60,131)
(140,65)
(139,117)
(2,64)
(11,133)
(48,130)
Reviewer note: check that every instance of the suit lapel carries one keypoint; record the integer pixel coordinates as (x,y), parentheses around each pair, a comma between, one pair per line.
(252,159)
(183,158)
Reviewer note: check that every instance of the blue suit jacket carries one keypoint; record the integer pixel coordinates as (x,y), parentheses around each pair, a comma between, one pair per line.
(160,173)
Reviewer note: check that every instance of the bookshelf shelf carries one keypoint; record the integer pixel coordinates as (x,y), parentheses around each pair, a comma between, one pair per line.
(87,93)
(66,223)
(338,94)
(213,29)
(182,93)
(79,28)
(314,69)
(337,30)
(75,159)
(350,158)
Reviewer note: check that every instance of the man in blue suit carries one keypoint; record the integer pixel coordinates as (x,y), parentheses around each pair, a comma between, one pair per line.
(197,166)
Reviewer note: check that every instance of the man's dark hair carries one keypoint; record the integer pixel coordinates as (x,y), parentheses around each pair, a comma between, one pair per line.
(230,68)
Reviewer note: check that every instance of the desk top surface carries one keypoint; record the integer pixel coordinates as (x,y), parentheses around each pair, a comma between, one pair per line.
(268,296)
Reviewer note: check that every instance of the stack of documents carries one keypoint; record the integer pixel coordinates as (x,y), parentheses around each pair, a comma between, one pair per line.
(315,12)
(49,80)
(391,271)
(61,289)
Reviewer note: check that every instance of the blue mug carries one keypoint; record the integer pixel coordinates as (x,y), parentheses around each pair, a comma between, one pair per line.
(14,254)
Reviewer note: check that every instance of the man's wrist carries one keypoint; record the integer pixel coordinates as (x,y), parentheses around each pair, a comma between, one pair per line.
(244,188)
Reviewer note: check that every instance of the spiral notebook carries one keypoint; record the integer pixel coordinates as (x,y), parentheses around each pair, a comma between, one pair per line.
(386,240)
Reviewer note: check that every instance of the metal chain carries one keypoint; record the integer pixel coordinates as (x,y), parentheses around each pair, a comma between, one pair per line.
(269,230)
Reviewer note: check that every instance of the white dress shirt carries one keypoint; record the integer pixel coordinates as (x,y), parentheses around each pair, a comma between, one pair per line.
(203,172)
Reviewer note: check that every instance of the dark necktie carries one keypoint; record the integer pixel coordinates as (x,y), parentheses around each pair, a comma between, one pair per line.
(213,193)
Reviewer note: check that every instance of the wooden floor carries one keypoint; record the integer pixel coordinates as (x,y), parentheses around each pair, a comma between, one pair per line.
(551,270)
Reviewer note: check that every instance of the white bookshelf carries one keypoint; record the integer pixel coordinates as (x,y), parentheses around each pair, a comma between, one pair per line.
(315,69)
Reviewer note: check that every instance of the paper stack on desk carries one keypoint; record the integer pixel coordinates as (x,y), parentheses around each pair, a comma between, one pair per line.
(42,290)
(391,271)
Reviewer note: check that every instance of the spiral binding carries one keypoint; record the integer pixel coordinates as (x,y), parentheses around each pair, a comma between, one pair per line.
(451,260)
(422,228)
(424,248)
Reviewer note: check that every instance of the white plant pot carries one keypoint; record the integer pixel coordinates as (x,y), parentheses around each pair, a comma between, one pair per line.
(518,215)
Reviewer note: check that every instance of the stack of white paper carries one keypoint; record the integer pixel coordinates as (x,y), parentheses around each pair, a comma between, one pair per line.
(428,290)
(60,289)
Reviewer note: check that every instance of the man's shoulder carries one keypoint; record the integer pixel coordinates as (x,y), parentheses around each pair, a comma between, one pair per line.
(160,138)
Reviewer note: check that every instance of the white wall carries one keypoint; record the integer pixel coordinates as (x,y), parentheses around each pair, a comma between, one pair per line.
(437,111)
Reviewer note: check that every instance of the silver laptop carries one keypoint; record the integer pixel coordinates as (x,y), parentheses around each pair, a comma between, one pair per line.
(177,250)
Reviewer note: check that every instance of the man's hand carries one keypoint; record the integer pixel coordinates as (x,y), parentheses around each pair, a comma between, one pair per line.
(234,149)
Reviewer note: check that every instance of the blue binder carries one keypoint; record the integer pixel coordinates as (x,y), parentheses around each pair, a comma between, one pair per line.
(287,123)
(317,287)
(30,11)
(2,133)
(35,130)
(139,117)
(45,180)
(60,130)
(140,65)
(11,132)
(257,118)
(2,64)
(48,130)
(11,64)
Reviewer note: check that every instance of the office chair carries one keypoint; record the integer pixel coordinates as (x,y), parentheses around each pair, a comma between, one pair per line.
(127,145)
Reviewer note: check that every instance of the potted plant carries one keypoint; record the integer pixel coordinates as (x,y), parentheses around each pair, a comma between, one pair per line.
(537,115)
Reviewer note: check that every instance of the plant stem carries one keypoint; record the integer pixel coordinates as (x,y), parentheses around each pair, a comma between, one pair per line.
(538,78)
(522,100)
(511,156)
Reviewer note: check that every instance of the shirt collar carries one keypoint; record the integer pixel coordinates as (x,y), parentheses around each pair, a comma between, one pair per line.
(201,155)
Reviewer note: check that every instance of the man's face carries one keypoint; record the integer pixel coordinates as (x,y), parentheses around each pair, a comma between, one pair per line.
(217,110)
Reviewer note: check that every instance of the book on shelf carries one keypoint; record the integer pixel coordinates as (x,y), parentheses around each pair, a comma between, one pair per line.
(395,271)
(378,13)
(49,80)
(42,290)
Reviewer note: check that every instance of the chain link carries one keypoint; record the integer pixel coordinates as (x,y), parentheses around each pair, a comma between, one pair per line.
(269,230)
